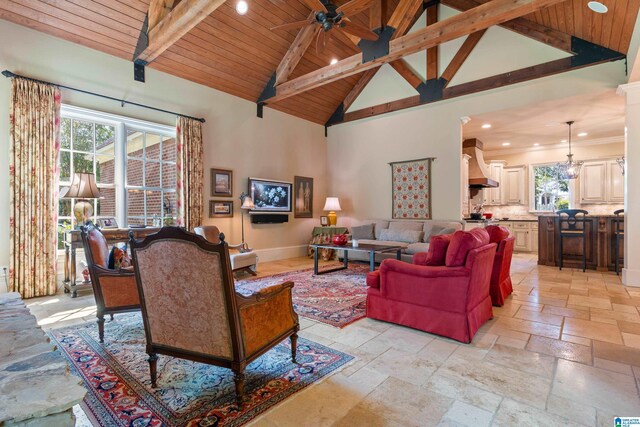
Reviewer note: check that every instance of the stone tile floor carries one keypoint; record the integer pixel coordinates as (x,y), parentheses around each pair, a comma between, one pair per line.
(563,351)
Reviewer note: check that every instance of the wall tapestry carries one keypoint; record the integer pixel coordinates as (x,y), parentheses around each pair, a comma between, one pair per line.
(411,183)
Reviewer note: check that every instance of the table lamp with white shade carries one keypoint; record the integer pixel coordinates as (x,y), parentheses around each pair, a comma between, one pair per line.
(247,204)
(83,188)
(332,204)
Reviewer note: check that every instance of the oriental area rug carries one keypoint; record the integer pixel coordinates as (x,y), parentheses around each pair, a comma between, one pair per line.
(337,298)
(116,375)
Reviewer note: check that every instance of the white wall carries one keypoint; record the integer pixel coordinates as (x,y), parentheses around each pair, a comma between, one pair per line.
(359,152)
(277,147)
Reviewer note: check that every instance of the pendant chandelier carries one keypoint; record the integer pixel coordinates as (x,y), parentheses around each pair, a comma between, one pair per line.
(570,169)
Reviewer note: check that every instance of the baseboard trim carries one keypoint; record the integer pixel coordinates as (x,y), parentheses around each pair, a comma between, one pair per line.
(275,254)
(630,277)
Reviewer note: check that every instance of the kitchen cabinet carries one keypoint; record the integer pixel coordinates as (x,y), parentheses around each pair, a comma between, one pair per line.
(616,182)
(593,182)
(513,186)
(601,182)
(525,234)
(493,196)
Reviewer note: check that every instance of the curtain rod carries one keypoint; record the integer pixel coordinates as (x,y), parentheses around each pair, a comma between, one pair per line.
(122,102)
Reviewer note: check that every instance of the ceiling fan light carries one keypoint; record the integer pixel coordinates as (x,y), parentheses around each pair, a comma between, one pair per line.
(242,7)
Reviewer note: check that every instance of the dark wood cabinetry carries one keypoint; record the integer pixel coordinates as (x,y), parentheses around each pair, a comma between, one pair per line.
(601,241)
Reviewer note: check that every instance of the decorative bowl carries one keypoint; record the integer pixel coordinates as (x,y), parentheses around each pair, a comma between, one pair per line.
(340,239)
(475,215)
(488,215)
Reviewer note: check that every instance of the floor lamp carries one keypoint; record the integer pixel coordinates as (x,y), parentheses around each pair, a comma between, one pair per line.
(247,204)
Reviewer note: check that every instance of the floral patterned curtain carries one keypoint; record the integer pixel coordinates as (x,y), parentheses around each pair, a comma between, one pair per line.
(189,168)
(33,187)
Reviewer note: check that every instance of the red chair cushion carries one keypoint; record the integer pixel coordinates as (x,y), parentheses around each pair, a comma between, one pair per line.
(373,279)
(462,242)
(497,233)
(438,249)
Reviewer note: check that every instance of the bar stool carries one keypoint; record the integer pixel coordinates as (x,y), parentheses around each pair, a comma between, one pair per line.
(572,224)
(619,232)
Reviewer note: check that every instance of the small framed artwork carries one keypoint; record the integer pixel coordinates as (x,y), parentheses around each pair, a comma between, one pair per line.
(324,221)
(221,182)
(107,223)
(303,188)
(220,208)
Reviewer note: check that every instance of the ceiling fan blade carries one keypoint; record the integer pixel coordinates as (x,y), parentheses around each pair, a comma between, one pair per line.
(315,5)
(320,42)
(292,25)
(354,7)
(357,30)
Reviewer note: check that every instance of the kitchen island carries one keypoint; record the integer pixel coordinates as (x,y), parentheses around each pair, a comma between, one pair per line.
(601,240)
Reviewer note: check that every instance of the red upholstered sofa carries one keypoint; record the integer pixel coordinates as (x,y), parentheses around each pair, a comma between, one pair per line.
(501,276)
(445,291)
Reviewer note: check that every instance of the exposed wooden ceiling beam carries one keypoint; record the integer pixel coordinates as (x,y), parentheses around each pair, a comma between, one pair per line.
(407,73)
(296,50)
(158,9)
(375,15)
(522,26)
(178,22)
(432,52)
(461,55)
(358,88)
(505,79)
(403,17)
(492,13)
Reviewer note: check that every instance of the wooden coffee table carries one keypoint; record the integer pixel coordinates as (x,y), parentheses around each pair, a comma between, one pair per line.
(371,249)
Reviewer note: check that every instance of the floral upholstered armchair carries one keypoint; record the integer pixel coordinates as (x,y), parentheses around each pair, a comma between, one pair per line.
(191,310)
(115,290)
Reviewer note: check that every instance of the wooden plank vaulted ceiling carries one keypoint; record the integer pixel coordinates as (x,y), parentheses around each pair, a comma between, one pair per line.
(238,54)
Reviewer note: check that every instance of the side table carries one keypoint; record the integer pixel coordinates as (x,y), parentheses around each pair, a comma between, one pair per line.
(323,235)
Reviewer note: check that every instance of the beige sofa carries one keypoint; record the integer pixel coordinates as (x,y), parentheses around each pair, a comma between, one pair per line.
(416,240)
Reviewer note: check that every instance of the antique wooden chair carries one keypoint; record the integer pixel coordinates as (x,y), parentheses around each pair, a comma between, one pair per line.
(572,224)
(243,260)
(191,310)
(115,290)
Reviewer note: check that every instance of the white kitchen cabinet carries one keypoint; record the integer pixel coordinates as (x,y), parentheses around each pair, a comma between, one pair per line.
(593,182)
(493,196)
(615,190)
(513,186)
(525,234)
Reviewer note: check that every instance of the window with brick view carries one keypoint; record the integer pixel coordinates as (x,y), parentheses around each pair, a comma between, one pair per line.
(134,164)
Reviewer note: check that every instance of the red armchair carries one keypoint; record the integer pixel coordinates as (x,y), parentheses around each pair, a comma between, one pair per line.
(451,299)
(501,286)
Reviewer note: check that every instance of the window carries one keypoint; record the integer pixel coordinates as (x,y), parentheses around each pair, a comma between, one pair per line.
(550,191)
(134,163)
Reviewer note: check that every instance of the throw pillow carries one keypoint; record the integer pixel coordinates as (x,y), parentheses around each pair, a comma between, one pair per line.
(438,246)
(404,236)
(462,242)
(363,232)
(438,230)
(118,259)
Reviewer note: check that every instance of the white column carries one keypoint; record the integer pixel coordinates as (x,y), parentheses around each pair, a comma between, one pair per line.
(631,270)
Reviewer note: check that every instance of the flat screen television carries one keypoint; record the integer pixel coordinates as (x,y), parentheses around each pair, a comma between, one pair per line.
(269,195)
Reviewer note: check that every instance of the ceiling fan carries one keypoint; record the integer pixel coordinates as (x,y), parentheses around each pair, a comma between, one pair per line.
(328,16)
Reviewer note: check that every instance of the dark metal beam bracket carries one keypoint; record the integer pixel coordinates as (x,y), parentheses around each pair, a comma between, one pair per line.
(269,91)
(376,49)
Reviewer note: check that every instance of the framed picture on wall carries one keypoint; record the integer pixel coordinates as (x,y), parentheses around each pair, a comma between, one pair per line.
(303,196)
(220,208)
(221,182)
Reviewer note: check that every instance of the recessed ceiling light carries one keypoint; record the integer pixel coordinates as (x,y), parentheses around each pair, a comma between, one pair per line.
(563,140)
(334,61)
(597,7)
(506,144)
(535,144)
(583,134)
(486,126)
(242,7)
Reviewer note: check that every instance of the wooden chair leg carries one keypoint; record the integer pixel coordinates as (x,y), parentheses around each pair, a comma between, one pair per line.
(584,253)
(111,316)
(294,346)
(238,379)
(100,326)
(617,254)
(560,250)
(153,366)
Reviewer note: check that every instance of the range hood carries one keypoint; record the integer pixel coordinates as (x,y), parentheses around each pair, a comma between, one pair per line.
(478,172)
